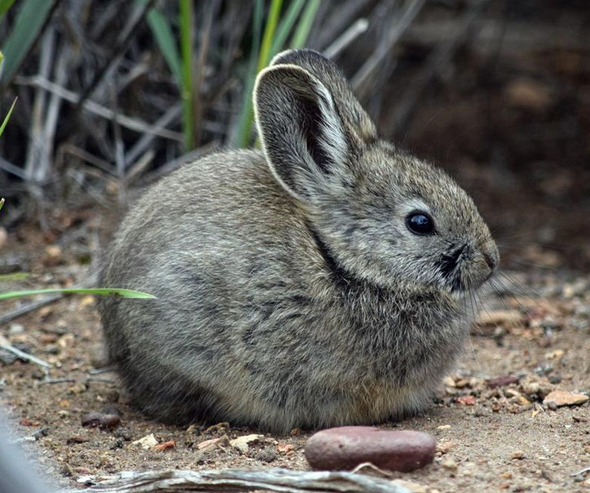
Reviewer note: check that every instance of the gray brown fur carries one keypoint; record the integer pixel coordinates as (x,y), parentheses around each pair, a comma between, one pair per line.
(290,292)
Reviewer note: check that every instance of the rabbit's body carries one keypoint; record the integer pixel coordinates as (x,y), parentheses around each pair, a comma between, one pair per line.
(282,310)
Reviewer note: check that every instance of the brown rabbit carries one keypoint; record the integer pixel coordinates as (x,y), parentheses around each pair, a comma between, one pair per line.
(321,282)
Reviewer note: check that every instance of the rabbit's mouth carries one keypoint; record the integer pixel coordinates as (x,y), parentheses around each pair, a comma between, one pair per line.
(463,270)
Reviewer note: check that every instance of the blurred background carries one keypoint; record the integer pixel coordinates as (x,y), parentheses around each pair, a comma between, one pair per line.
(114,94)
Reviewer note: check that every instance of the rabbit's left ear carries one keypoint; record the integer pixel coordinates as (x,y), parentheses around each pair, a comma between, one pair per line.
(302,133)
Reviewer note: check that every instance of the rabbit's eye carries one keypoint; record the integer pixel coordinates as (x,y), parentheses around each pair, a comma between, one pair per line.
(420,223)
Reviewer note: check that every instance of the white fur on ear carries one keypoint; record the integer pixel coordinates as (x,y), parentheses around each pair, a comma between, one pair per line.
(334,140)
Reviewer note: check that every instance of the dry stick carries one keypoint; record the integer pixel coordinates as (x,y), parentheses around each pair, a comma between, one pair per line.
(5,345)
(124,40)
(35,150)
(92,107)
(235,480)
(145,141)
(185,158)
(139,166)
(334,21)
(119,152)
(386,45)
(434,64)
(12,169)
(347,37)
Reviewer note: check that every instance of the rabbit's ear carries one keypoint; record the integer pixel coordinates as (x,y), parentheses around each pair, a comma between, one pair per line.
(352,113)
(303,135)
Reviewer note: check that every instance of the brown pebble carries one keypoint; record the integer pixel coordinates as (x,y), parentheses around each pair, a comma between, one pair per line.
(502,381)
(348,446)
(467,400)
(100,420)
(170,444)
(77,439)
(560,398)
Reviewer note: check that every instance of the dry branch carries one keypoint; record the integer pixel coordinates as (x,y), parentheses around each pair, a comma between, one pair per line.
(234,480)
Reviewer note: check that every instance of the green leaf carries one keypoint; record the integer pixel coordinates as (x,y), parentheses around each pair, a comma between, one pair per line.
(305,23)
(1,203)
(165,40)
(29,21)
(125,293)
(4,6)
(6,118)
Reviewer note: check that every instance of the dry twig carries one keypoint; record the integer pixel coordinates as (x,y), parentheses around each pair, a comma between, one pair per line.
(234,480)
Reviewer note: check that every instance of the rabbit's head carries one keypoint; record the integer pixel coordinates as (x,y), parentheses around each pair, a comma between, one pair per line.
(378,213)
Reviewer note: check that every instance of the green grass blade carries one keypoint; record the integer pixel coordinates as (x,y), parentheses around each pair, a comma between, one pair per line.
(263,59)
(305,23)
(4,6)
(29,21)
(286,26)
(1,203)
(186,48)
(166,42)
(125,293)
(17,276)
(269,31)
(244,127)
(6,118)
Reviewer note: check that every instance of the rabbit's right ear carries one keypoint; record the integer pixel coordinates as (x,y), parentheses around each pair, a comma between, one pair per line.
(302,133)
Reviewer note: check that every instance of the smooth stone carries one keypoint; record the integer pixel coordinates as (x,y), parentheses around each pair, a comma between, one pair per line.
(346,447)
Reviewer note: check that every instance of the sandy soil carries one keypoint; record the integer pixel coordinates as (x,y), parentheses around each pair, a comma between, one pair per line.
(535,327)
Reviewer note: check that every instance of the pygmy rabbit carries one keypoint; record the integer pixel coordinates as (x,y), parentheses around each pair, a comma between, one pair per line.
(324,281)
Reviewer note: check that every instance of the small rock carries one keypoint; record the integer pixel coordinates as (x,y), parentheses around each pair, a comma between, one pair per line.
(212,443)
(493,318)
(517,455)
(502,381)
(449,464)
(243,443)
(467,400)
(77,439)
(266,455)
(15,329)
(556,355)
(100,420)
(170,444)
(285,448)
(562,398)
(147,442)
(449,382)
(348,446)
(444,447)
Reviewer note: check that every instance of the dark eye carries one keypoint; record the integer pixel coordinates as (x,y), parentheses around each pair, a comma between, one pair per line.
(420,223)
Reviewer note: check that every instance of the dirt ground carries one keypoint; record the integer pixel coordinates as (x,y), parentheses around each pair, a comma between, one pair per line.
(535,327)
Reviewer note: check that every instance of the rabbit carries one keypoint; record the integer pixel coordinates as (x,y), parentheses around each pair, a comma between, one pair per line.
(322,281)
